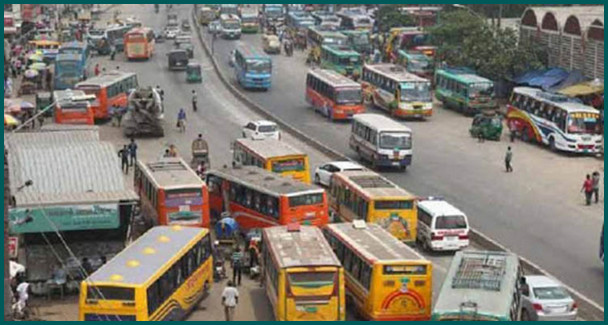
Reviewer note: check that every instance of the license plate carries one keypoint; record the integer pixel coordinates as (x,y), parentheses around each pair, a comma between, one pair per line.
(417,115)
(396,163)
(451,238)
(558,310)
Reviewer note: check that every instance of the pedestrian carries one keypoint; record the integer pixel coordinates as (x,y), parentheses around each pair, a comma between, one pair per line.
(86,266)
(230,298)
(194,100)
(588,189)
(596,185)
(132,152)
(112,53)
(172,151)
(40,119)
(161,93)
(119,113)
(237,266)
(96,70)
(480,137)
(508,160)
(512,130)
(123,154)
(181,120)
(167,154)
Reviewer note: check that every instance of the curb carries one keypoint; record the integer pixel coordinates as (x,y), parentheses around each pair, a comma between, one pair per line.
(588,309)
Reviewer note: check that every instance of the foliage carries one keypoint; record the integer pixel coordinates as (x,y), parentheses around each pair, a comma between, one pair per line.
(388,16)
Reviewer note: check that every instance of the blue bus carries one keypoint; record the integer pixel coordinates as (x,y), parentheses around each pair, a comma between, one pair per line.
(69,70)
(253,67)
(299,19)
(80,48)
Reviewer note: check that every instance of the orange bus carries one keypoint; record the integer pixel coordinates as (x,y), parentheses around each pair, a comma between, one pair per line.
(73,107)
(333,94)
(139,43)
(257,198)
(171,193)
(110,89)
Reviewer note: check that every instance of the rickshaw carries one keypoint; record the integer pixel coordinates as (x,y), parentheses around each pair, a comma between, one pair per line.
(200,154)
(194,73)
(487,125)
(43,100)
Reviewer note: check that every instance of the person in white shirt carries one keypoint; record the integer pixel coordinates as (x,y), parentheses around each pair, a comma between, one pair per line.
(23,296)
(230,298)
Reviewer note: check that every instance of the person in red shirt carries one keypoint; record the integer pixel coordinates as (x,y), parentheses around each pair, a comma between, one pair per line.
(588,189)
(97,70)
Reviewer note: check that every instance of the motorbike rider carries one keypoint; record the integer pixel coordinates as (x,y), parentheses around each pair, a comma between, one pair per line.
(194,100)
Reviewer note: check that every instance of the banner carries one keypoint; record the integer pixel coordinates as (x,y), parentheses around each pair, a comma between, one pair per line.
(64,218)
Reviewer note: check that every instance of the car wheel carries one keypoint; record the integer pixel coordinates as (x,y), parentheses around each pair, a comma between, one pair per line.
(317,179)
(525,315)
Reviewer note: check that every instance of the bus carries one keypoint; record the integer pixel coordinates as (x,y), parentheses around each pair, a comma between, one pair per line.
(206,15)
(386,280)
(111,89)
(230,26)
(257,198)
(303,279)
(139,43)
(273,13)
(273,155)
(320,36)
(326,18)
(359,40)
(352,21)
(366,195)
(162,276)
(341,59)
(416,62)
(480,286)
(79,48)
(250,23)
(400,93)
(69,70)
(299,20)
(229,9)
(171,193)
(252,67)
(465,91)
(73,107)
(554,120)
(381,141)
(408,39)
(115,34)
(334,95)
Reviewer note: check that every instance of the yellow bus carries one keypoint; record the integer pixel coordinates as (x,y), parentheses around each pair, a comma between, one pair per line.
(365,195)
(273,155)
(304,280)
(161,276)
(386,280)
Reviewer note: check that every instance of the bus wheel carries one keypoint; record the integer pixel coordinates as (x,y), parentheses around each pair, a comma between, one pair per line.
(525,137)
(552,144)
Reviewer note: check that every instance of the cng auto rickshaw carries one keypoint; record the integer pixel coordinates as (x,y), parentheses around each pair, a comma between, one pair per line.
(194,72)
(43,100)
(487,125)
(200,154)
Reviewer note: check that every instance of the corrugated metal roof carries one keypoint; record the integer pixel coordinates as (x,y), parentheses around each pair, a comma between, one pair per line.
(66,168)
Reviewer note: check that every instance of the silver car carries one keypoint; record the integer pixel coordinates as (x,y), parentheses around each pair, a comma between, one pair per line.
(545,299)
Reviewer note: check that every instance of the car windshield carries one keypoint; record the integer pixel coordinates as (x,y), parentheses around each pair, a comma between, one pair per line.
(551,293)
(258,65)
(348,96)
(481,89)
(416,91)
(451,222)
(267,128)
(395,141)
(331,19)
(581,123)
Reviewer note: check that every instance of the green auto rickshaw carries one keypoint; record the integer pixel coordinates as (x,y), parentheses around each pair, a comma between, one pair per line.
(44,100)
(487,125)
(194,72)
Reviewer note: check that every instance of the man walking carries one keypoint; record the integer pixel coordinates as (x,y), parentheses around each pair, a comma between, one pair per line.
(124,158)
(508,160)
(230,298)
(588,189)
(237,265)
(596,186)
(132,152)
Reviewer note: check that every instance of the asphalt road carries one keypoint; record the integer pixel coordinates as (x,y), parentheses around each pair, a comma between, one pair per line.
(537,211)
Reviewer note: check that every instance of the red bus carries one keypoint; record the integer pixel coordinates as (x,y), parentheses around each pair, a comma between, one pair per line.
(139,43)
(171,193)
(333,94)
(257,198)
(110,88)
(73,107)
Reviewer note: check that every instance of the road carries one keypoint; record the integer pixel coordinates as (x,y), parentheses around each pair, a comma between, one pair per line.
(537,211)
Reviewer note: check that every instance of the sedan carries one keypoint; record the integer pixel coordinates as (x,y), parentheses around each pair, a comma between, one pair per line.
(545,299)
(324,172)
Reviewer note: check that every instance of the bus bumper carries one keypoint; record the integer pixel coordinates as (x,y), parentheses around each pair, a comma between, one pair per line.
(256,84)
(413,113)
(346,113)
(386,162)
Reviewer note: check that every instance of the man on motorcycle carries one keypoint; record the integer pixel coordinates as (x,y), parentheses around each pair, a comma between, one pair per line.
(194,100)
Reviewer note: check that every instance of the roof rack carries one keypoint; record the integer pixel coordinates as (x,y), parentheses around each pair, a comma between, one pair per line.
(483,271)
(165,165)
(371,181)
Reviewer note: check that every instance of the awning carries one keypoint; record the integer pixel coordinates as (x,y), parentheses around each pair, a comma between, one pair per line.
(595,87)
(544,79)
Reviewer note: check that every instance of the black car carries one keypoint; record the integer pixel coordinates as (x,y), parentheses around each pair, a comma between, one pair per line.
(178,59)
(186,47)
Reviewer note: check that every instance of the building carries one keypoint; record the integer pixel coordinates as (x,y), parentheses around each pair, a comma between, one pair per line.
(572,36)
(78,195)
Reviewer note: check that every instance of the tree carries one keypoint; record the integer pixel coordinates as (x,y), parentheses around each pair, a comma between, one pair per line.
(389,16)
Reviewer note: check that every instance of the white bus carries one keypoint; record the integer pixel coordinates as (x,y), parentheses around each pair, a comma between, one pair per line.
(230,26)
(381,141)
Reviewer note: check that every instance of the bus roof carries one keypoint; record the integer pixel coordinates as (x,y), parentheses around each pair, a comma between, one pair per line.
(372,185)
(394,72)
(139,30)
(270,148)
(265,181)
(374,243)
(68,57)
(229,17)
(481,277)
(144,258)
(334,78)
(67,95)
(168,173)
(105,79)
(74,45)
(463,75)
(381,122)
(340,50)
(564,102)
(304,248)
(251,52)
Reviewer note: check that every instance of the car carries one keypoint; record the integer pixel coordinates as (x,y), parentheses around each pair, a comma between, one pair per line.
(545,299)
(261,130)
(171,32)
(159,37)
(271,44)
(324,172)
(441,226)
(188,47)
(215,27)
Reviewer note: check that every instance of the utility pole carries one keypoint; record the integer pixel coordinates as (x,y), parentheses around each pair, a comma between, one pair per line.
(499,15)
(8,294)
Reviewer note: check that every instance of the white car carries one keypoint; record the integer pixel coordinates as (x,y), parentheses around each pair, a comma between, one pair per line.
(171,32)
(324,172)
(545,299)
(260,130)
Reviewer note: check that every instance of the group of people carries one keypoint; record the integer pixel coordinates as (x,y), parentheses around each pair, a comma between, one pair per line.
(230,295)
(128,156)
(591,187)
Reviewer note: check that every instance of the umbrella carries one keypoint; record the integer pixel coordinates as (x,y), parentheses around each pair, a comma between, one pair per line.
(37,66)
(13,108)
(36,57)
(15,268)
(31,73)
(27,105)
(10,121)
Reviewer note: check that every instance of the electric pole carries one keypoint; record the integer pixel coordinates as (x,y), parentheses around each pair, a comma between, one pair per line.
(8,294)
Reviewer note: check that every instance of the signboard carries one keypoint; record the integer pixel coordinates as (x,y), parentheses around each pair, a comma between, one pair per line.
(64,218)
(13,246)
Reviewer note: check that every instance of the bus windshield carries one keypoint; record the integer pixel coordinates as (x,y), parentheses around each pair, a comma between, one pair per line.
(69,67)
(396,141)
(352,60)
(260,66)
(583,124)
(231,25)
(348,96)
(481,89)
(249,19)
(416,91)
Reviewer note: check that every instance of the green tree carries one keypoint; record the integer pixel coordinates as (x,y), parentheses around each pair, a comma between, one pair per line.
(389,16)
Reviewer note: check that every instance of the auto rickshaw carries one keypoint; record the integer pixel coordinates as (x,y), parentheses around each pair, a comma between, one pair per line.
(487,125)
(200,154)
(194,73)
(43,100)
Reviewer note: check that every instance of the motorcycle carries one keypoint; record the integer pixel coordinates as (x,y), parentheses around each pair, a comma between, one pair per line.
(219,270)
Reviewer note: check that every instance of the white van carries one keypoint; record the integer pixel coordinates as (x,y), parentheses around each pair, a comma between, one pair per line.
(441,226)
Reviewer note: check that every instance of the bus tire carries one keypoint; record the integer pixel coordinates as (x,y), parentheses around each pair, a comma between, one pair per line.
(525,137)
(552,145)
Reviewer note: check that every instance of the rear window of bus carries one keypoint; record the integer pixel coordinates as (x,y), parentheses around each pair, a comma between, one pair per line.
(393,205)
(306,199)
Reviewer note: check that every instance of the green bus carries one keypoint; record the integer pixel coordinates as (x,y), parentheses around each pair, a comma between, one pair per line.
(464,90)
(249,21)
(322,37)
(359,40)
(416,62)
(481,286)
(341,59)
